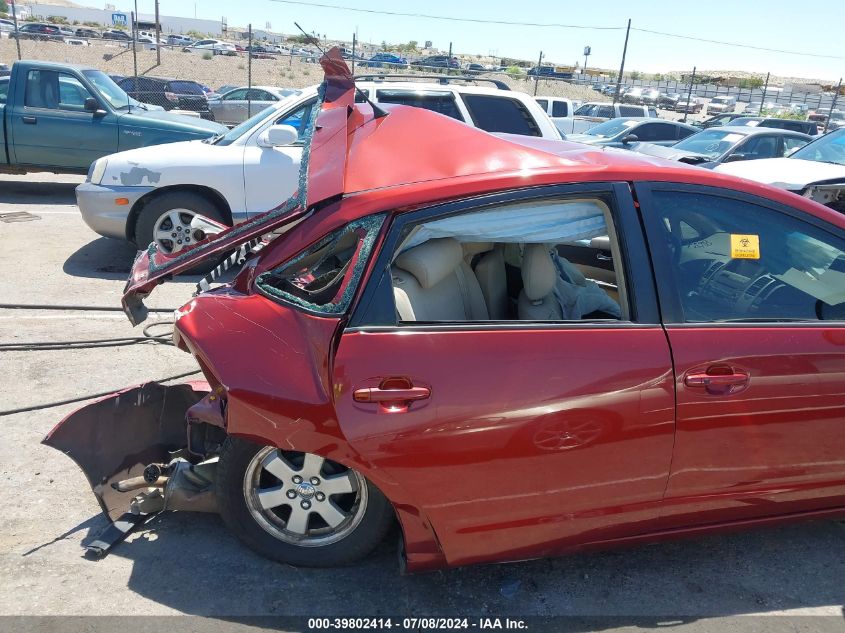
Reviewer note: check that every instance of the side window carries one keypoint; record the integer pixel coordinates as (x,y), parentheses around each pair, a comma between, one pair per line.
(4,91)
(655,132)
(298,118)
(652,112)
(323,278)
(236,95)
(683,132)
(54,90)
(501,114)
(605,112)
(791,143)
(539,260)
(436,101)
(560,108)
(760,146)
(544,103)
(738,261)
(630,111)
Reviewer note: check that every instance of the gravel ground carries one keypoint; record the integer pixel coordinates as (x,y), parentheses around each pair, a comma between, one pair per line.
(190,564)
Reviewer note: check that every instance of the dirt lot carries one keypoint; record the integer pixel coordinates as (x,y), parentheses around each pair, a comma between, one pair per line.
(189,564)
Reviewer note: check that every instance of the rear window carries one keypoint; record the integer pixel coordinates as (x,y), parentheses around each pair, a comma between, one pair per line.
(436,101)
(630,111)
(185,88)
(560,108)
(544,103)
(323,277)
(501,114)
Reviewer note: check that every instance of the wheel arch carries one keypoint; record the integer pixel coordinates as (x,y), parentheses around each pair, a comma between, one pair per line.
(212,195)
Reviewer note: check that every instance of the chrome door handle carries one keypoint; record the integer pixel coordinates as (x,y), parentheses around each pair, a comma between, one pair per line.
(715,383)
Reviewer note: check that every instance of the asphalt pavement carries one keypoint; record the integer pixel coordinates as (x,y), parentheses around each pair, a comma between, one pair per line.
(181,563)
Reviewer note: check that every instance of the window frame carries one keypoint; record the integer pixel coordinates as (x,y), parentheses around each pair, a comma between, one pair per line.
(668,294)
(376,311)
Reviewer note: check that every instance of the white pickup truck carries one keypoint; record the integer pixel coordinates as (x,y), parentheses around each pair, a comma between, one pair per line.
(592,113)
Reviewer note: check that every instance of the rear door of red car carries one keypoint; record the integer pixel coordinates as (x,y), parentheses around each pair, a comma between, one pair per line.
(753,297)
(515,439)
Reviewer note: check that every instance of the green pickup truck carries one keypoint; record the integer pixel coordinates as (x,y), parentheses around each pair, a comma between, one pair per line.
(61,118)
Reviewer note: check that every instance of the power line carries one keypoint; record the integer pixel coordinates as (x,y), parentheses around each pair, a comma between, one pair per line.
(452,19)
(723,43)
(553,25)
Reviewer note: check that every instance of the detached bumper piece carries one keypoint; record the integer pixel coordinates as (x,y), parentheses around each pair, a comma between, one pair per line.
(131,446)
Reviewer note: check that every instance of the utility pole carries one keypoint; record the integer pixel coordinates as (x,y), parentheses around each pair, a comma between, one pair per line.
(587,51)
(833,104)
(354,43)
(17,33)
(158,38)
(537,75)
(689,93)
(135,43)
(249,76)
(763,100)
(622,66)
(449,61)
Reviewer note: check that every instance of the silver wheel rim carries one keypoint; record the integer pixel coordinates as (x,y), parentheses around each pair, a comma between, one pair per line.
(172,231)
(302,498)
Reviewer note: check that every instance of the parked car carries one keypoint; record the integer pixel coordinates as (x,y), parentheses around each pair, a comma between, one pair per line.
(626,132)
(385,59)
(837,120)
(634,95)
(116,34)
(691,104)
(712,147)
(6,25)
(650,97)
(752,108)
(36,31)
(88,32)
(5,71)
(474,69)
(668,101)
(721,105)
(437,61)
(60,118)
(550,72)
(718,120)
(557,107)
(240,104)
(170,94)
(592,113)
(816,171)
(179,40)
(805,127)
(372,367)
(217,47)
(244,172)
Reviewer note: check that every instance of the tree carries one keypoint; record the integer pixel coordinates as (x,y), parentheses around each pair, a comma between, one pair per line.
(4,7)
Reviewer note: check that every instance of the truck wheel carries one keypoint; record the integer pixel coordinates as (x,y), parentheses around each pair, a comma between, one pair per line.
(299,508)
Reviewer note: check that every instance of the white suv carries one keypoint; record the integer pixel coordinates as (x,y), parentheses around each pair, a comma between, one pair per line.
(244,172)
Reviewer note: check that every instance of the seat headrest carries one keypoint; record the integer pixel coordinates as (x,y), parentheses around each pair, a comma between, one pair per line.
(471,249)
(432,261)
(538,272)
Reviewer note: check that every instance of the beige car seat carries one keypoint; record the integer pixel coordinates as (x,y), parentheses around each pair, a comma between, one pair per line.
(490,271)
(433,282)
(537,301)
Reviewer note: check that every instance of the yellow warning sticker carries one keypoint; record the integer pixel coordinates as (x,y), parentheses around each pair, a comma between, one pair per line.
(745,246)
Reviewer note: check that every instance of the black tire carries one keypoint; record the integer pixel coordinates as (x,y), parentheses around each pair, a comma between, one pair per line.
(194,202)
(235,458)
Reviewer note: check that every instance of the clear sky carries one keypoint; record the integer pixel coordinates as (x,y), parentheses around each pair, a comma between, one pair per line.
(815,27)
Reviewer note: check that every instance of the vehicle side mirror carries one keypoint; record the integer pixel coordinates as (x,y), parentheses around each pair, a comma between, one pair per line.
(630,138)
(91,105)
(278,136)
(735,157)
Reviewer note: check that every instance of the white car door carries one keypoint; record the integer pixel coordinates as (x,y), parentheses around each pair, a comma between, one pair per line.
(271,174)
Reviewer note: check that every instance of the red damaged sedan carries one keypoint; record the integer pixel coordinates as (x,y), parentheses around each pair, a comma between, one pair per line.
(514,347)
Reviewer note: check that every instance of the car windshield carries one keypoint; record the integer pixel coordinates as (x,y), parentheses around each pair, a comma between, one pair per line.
(611,128)
(239,130)
(590,109)
(113,93)
(710,143)
(830,148)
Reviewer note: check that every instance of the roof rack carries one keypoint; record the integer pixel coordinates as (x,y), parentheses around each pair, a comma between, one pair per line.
(441,79)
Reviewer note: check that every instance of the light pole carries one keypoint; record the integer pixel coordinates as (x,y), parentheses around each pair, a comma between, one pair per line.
(587,51)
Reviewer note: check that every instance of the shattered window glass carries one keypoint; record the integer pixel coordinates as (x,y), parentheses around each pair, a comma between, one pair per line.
(323,278)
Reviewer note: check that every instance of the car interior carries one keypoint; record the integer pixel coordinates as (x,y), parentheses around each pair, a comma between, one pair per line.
(786,275)
(531,266)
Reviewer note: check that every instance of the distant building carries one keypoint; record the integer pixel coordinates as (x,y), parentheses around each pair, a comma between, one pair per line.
(121,16)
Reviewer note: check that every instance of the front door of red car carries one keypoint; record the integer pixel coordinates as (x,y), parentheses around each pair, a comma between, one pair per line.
(753,295)
(514,437)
